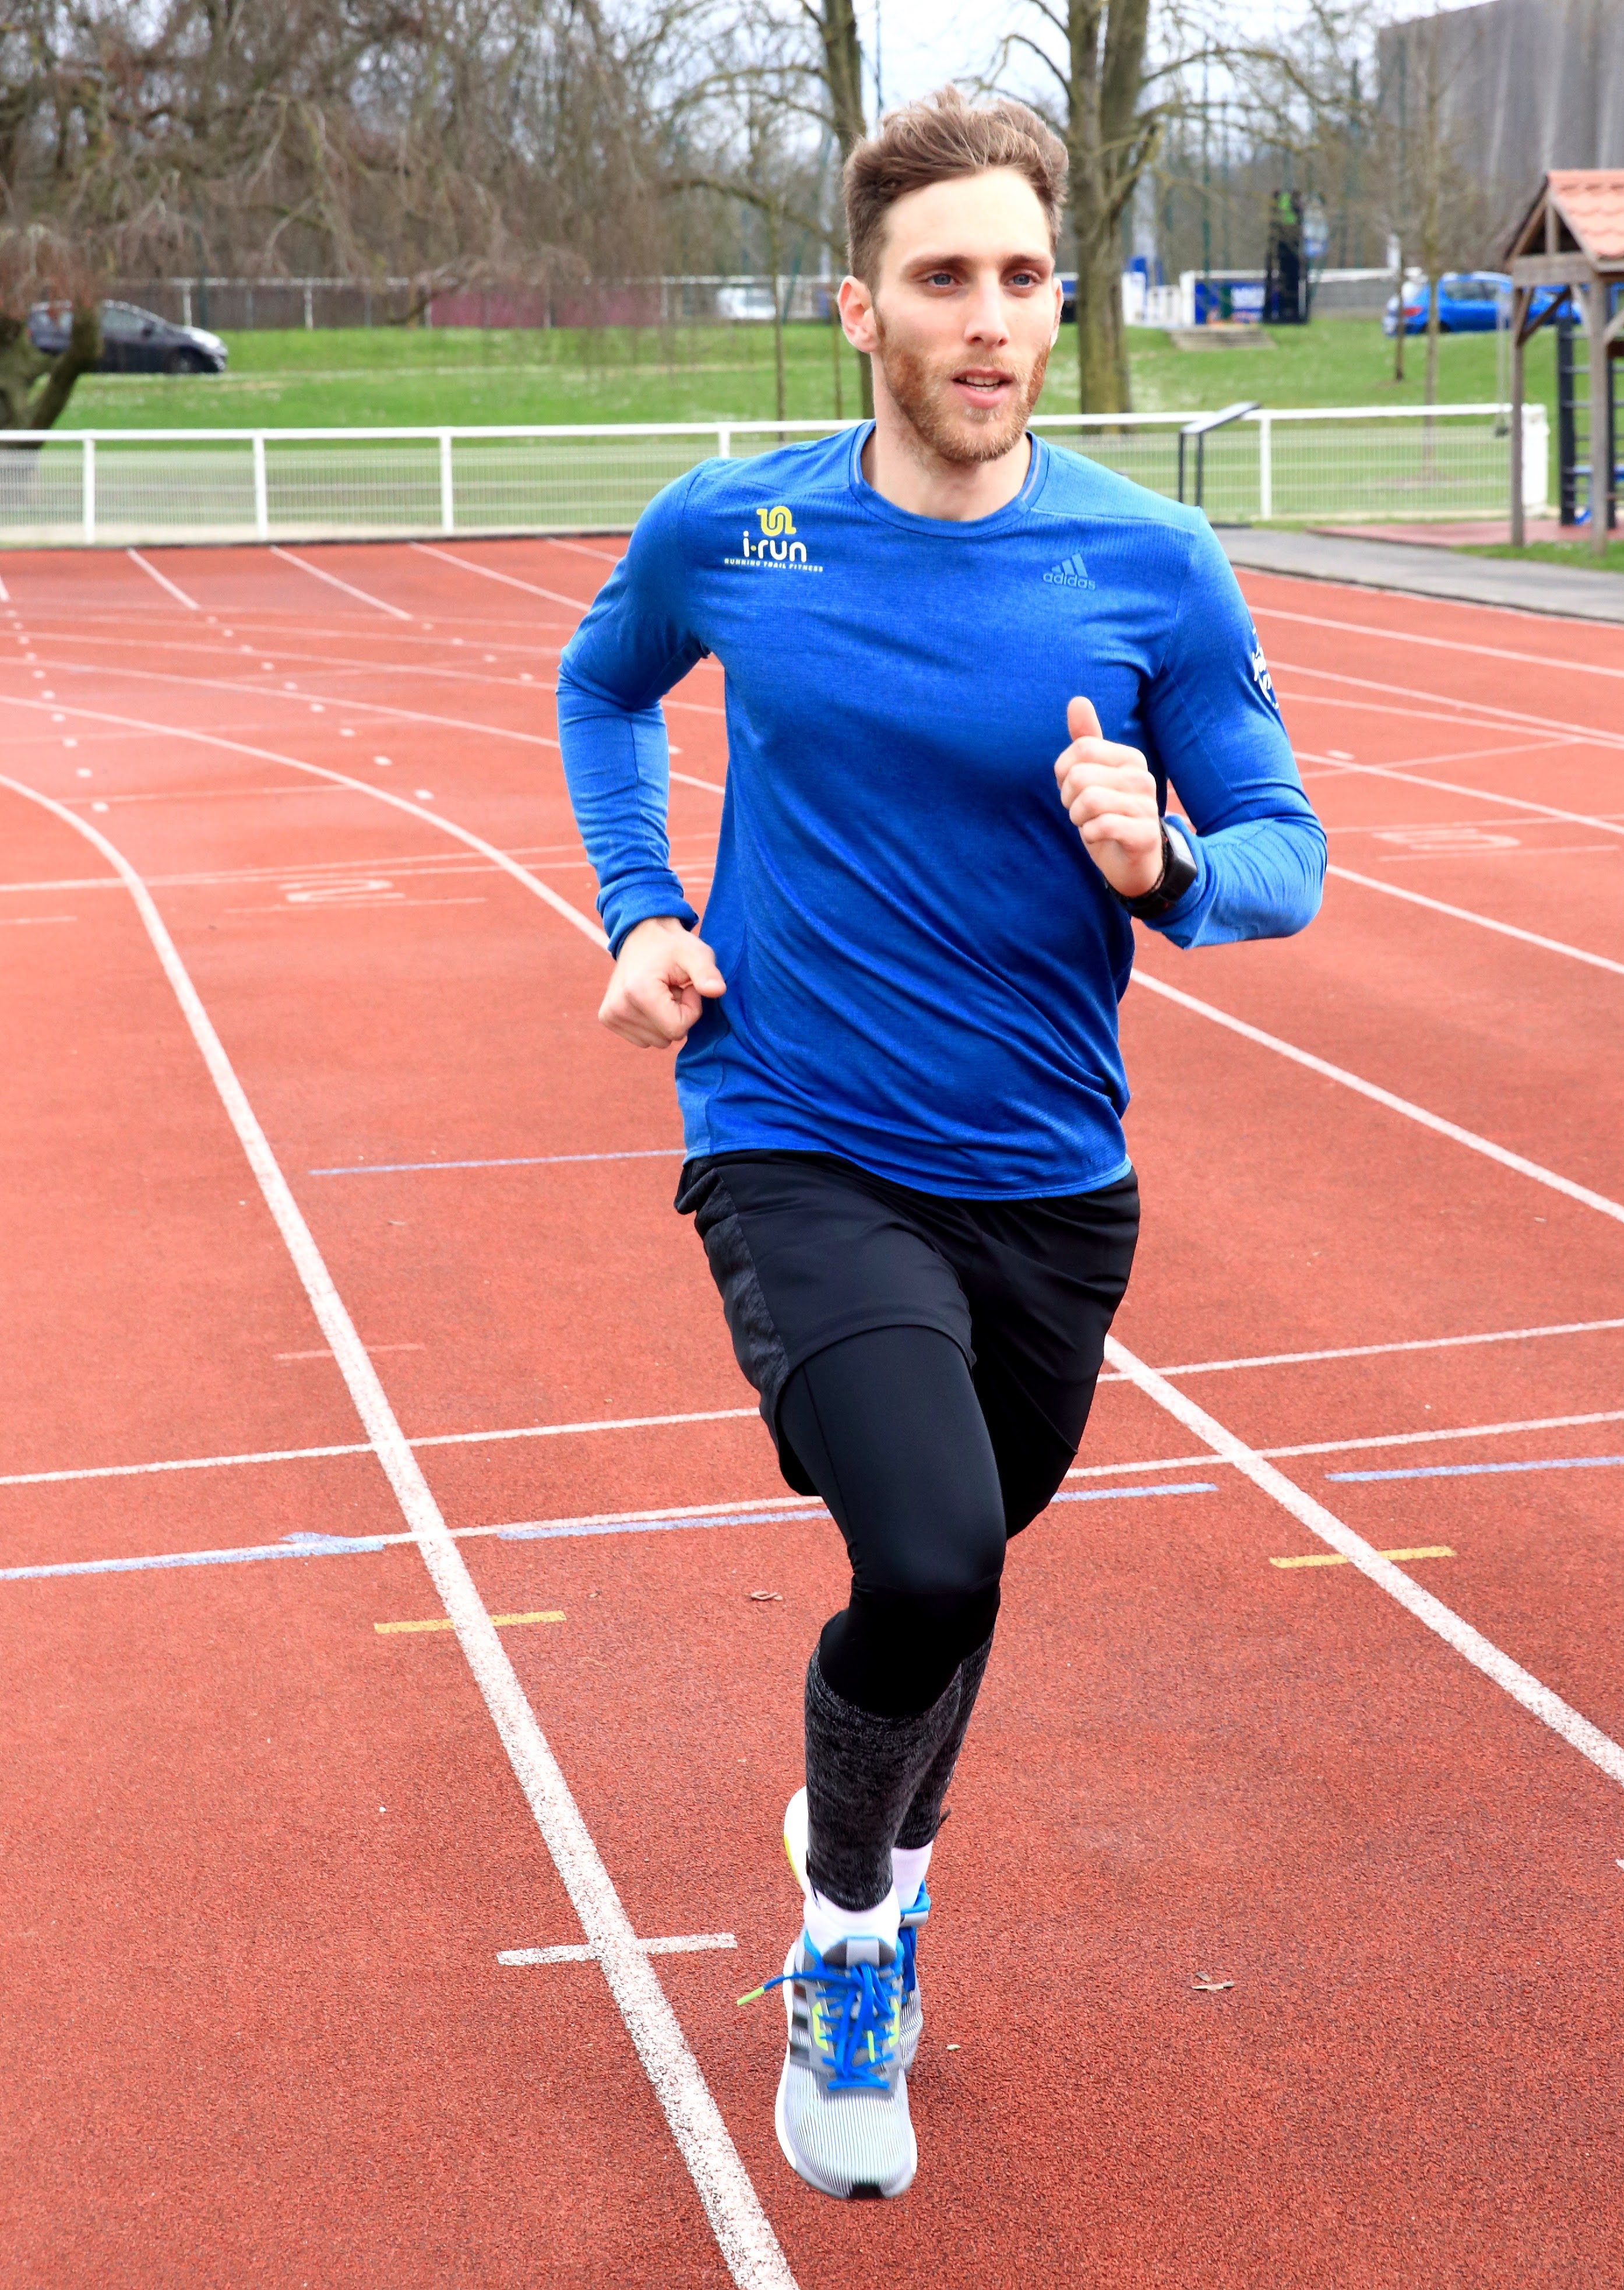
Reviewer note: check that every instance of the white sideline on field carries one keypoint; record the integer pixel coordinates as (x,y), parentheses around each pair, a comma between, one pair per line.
(1523,1687)
(739,2224)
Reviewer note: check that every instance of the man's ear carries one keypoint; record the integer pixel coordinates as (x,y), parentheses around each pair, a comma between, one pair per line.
(855,302)
(1059,304)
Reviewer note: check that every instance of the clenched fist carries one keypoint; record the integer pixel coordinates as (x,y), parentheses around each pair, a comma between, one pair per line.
(662,981)
(1109,794)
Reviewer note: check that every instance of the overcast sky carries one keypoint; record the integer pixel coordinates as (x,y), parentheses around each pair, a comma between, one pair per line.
(923,42)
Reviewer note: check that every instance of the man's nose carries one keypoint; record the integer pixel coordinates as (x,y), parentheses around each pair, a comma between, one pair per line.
(985,320)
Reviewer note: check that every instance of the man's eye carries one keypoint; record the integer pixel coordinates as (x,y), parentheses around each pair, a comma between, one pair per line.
(940,278)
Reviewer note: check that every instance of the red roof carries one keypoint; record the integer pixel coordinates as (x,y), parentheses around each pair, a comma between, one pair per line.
(1590,201)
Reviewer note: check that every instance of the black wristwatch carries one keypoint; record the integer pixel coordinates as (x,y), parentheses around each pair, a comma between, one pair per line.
(1178,871)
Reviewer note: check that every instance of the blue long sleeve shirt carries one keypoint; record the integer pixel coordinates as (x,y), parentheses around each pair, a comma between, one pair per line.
(923,966)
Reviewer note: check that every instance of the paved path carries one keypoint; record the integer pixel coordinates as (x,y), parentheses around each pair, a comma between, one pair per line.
(1523,585)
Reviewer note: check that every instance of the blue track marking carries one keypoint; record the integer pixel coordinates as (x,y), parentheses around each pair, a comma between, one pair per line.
(1477,1470)
(295,1546)
(542,1533)
(1126,1494)
(516,1161)
(343,1546)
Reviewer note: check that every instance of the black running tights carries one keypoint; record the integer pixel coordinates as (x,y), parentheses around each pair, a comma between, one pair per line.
(927,1478)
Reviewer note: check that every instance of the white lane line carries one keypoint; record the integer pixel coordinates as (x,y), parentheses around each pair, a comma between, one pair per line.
(1520,851)
(190,794)
(433,1439)
(179,1464)
(1393,1104)
(1369,1351)
(1544,662)
(510,1161)
(508,580)
(569,1430)
(1483,922)
(1451,756)
(360,708)
(1348,1447)
(739,2224)
(1510,1677)
(1404,777)
(579,549)
(584,1952)
(711,787)
(531,883)
(747,1414)
(163,579)
(24,922)
(1484,716)
(1457,1431)
(5,594)
(318,573)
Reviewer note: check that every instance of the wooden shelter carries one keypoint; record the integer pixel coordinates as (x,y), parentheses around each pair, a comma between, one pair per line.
(1572,237)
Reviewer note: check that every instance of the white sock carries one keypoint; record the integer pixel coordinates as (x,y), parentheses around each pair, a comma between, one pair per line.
(909,1864)
(826,1924)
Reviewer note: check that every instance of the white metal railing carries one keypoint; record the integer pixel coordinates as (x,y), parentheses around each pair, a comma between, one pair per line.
(120,487)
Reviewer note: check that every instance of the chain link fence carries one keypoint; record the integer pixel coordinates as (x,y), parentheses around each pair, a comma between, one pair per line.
(118,488)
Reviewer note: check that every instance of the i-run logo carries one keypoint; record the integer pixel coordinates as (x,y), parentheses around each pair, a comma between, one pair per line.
(777,546)
(1072,574)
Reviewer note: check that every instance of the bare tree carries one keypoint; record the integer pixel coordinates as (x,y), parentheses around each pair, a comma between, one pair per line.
(38,268)
(1111,133)
(1435,200)
(448,139)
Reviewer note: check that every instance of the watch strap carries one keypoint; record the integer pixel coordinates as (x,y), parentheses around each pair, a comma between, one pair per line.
(1178,871)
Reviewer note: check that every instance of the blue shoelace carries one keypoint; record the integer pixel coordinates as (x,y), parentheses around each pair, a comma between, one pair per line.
(908,1940)
(857,2027)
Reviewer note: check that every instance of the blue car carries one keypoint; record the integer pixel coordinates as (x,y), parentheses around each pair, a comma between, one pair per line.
(1469,302)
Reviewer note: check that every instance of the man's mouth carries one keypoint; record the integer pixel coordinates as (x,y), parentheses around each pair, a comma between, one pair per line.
(983,385)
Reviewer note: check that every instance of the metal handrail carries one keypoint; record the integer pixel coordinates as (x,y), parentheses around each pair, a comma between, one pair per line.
(1200,430)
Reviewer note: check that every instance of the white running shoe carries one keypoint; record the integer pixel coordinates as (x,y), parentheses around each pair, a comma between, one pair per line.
(911,2025)
(842,2111)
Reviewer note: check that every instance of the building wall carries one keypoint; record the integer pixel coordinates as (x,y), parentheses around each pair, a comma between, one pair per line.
(1527,84)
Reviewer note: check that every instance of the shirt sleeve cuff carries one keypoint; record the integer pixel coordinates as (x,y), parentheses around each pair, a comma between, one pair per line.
(640,903)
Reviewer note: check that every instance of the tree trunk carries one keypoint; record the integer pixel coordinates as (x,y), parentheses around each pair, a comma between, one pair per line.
(1102,351)
(843,80)
(775,263)
(1398,338)
(22,369)
(1109,145)
(843,73)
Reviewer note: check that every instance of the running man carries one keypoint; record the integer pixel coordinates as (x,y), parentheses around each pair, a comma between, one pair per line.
(962,667)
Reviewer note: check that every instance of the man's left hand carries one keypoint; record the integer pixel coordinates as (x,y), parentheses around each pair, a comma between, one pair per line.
(1109,794)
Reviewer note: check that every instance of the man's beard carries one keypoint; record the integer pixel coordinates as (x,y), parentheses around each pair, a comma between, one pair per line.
(918,390)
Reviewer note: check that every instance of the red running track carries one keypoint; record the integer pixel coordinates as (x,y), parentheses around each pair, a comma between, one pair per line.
(262,1858)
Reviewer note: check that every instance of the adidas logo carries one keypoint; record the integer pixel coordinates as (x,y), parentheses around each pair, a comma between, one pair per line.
(1072,574)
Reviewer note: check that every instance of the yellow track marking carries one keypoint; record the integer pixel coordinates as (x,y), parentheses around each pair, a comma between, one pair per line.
(1335,1558)
(443,1623)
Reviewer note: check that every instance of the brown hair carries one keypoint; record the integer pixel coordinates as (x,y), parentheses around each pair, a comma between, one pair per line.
(934,140)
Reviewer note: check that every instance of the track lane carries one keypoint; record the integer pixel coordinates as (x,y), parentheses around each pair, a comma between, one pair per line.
(742,2233)
(1136,1807)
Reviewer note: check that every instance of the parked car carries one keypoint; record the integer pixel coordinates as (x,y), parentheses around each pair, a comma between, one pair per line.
(1469,302)
(133,340)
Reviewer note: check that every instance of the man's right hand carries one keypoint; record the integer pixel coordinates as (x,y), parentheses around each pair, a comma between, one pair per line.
(662,981)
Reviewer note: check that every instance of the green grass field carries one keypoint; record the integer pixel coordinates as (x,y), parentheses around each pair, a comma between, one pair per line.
(392,377)
(1574,553)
